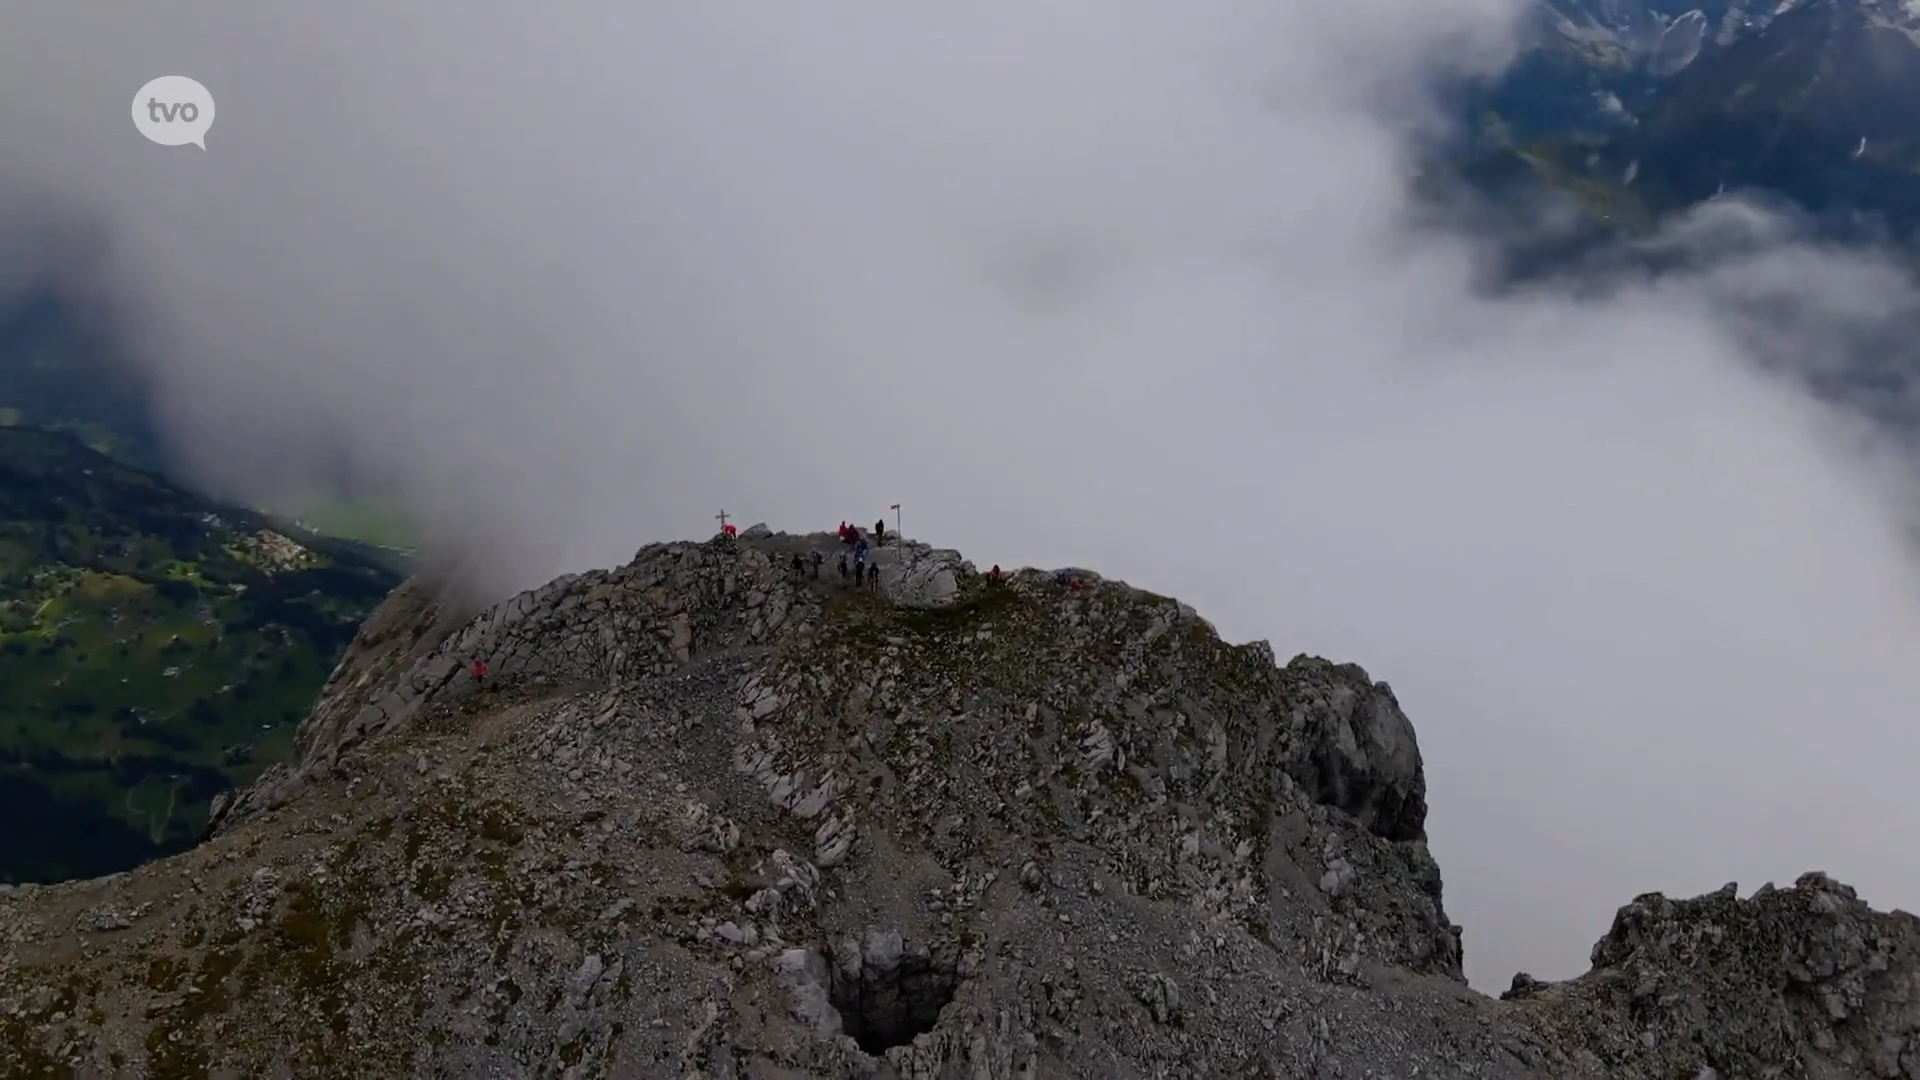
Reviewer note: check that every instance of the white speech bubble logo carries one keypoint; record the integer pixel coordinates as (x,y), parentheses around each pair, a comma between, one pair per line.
(174,110)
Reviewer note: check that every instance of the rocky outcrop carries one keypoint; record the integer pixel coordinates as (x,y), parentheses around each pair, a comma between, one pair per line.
(636,622)
(1808,977)
(710,819)
(1354,749)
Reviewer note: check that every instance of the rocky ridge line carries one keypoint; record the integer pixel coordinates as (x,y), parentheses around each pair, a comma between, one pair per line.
(711,821)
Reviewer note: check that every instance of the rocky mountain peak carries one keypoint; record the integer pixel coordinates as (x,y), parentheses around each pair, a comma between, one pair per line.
(708,815)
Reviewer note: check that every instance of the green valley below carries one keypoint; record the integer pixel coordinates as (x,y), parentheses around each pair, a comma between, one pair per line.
(155,649)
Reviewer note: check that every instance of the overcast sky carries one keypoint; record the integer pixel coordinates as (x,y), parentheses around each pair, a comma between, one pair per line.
(1127,286)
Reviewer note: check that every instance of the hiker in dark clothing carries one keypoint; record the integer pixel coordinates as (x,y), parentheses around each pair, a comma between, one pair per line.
(859,572)
(797,567)
(844,572)
(860,549)
(873,576)
(880,533)
(994,575)
(814,558)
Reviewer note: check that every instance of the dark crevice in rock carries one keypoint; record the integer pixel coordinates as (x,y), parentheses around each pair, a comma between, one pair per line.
(887,994)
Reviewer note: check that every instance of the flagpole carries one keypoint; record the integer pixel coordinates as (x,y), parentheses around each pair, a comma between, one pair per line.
(896,523)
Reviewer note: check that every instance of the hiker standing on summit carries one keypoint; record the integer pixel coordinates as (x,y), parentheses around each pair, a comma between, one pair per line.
(880,533)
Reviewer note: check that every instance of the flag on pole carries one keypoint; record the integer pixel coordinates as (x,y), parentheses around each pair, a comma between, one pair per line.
(895,506)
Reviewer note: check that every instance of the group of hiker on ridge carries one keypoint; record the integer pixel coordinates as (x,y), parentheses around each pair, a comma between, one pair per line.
(852,562)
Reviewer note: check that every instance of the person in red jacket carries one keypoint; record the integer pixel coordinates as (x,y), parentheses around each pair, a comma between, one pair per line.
(479,671)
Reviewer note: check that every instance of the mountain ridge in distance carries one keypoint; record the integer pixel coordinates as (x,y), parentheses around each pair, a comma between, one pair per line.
(1669,106)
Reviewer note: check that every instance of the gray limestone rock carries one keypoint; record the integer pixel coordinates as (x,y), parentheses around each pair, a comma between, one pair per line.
(1354,749)
(710,820)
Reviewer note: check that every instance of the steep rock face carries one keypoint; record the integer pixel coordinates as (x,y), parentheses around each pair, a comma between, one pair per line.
(1354,749)
(414,619)
(709,819)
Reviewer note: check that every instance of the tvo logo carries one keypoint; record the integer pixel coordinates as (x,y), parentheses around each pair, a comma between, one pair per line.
(174,110)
